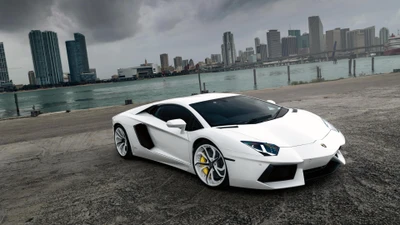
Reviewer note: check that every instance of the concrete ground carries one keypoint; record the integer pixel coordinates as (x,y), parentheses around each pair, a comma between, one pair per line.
(63,169)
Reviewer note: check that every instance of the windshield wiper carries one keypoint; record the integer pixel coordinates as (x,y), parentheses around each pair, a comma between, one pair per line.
(277,113)
(259,119)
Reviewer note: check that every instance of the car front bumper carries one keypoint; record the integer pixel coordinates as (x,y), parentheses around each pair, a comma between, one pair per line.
(306,162)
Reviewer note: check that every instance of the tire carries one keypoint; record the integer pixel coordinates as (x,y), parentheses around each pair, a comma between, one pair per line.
(122,144)
(209,165)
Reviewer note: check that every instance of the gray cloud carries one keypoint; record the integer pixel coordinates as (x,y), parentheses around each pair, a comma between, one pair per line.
(214,10)
(17,15)
(103,20)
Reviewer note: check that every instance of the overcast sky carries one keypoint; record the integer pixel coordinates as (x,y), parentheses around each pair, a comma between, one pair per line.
(123,33)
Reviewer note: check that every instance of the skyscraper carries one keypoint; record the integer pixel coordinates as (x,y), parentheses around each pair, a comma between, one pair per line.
(3,65)
(356,39)
(383,36)
(369,37)
(316,37)
(74,61)
(289,46)
(297,34)
(229,50)
(257,45)
(32,79)
(274,43)
(216,58)
(77,57)
(81,42)
(263,52)
(185,63)
(164,61)
(333,36)
(343,40)
(257,41)
(46,57)
(178,63)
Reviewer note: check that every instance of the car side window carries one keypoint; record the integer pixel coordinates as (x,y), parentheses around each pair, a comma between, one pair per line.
(171,112)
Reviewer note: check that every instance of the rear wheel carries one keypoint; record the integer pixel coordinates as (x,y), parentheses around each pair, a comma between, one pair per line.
(210,166)
(122,142)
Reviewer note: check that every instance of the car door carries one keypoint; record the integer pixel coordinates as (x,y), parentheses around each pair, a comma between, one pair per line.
(173,144)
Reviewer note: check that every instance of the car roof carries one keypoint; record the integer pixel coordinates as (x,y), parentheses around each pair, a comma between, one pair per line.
(197,98)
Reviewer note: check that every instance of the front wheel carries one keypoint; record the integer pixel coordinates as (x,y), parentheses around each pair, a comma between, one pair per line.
(210,166)
(122,142)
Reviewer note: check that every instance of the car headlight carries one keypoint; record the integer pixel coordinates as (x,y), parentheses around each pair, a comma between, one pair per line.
(330,126)
(264,148)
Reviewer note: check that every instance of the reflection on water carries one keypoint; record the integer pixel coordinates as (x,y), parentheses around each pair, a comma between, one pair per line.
(52,104)
(275,73)
(83,97)
(230,77)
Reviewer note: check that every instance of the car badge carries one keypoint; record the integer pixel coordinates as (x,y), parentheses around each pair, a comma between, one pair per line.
(323,145)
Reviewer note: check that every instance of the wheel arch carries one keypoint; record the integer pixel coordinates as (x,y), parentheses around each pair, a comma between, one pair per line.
(200,139)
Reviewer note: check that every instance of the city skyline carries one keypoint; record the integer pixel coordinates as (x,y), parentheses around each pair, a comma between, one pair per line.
(108,53)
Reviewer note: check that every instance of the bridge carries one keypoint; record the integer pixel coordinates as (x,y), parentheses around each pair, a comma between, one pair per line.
(326,53)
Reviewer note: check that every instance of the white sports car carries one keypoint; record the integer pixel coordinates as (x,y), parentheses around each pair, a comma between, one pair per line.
(231,139)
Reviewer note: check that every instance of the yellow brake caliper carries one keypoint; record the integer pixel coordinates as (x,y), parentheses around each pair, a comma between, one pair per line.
(205,169)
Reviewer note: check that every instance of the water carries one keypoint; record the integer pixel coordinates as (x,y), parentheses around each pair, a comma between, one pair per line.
(90,96)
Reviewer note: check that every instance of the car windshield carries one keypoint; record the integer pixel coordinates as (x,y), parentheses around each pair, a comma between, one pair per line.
(236,110)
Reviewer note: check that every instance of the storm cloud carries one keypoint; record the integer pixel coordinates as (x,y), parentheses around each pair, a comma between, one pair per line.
(17,15)
(109,20)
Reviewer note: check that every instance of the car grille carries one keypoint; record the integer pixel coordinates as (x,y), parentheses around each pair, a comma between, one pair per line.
(278,173)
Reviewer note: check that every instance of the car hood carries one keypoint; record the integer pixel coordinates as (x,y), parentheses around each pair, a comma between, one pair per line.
(293,129)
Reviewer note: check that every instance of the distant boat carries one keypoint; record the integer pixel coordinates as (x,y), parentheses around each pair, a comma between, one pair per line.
(392,47)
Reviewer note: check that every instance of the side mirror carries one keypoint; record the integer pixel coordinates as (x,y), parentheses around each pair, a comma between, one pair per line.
(177,123)
(272,102)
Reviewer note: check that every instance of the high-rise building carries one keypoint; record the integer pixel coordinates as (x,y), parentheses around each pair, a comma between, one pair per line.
(191,63)
(164,61)
(332,37)
(178,63)
(257,45)
(78,61)
(74,61)
(383,36)
(3,65)
(305,44)
(53,58)
(228,49)
(185,62)
(46,57)
(356,39)
(305,40)
(274,43)
(369,37)
(223,53)
(250,51)
(216,58)
(263,52)
(32,79)
(377,42)
(81,44)
(316,37)
(208,61)
(343,42)
(297,34)
(245,55)
(289,46)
